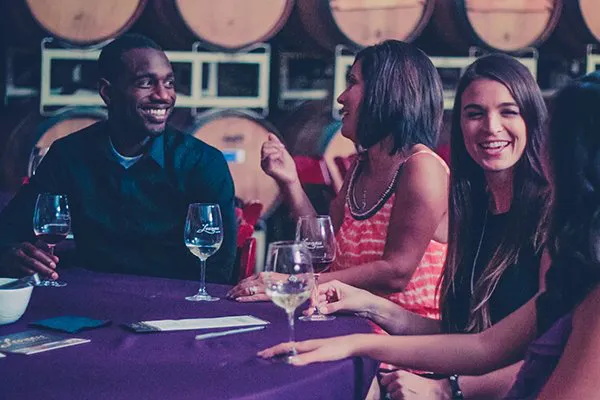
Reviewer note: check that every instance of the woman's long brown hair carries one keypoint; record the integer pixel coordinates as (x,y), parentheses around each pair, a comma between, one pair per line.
(469,200)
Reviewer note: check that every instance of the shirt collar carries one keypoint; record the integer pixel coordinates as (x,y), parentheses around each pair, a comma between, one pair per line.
(156,151)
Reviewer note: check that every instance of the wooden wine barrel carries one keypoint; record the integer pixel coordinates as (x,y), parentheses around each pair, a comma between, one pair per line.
(225,25)
(505,25)
(579,26)
(76,22)
(311,131)
(31,137)
(239,134)
(360,23)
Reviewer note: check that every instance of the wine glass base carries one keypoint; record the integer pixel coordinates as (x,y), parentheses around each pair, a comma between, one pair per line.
(283,358)
(316,318)
(201,297)
(51,283)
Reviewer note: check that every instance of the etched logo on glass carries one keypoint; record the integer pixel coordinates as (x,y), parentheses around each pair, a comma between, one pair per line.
(211,230)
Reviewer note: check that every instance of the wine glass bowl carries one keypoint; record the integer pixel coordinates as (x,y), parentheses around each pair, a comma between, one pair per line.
(289,280)
(51,224)
(316,232)
(203,236)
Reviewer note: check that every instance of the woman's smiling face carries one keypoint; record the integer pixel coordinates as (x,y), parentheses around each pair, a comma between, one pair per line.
(493,128)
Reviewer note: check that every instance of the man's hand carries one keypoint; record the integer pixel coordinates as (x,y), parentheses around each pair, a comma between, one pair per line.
(27,259)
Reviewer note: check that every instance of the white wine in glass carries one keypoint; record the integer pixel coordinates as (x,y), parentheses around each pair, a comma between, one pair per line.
(316,232)
(289,280)
(203,236)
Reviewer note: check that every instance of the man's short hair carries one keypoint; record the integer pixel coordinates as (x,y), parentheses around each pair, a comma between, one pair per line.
(110,62)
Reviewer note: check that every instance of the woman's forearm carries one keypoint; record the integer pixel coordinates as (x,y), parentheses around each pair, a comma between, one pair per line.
(444,354)
(494,385)
(296,199)
(399,321)
(463,354)
(378,276)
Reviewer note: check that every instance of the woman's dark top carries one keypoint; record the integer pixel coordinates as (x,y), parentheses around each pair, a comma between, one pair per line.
(518,284)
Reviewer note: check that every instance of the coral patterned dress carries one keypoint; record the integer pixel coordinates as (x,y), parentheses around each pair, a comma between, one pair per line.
(361,240)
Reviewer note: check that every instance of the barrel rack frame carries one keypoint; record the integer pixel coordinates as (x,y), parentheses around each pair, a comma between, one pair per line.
(200,97)
(208,97)
(592,58)
(288,96)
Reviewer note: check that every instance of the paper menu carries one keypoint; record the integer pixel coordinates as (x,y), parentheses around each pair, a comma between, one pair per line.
(34,341)
(195,323)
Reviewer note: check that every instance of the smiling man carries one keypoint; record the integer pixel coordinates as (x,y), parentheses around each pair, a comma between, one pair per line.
(128,180)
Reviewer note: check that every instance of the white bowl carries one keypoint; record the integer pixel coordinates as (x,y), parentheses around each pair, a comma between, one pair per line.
(13,302)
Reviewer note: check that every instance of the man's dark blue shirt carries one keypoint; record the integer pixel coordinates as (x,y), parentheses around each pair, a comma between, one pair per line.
(131,220)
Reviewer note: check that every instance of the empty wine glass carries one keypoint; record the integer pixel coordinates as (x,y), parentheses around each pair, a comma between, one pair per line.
(289,280)
(203,236)
(51,224)
(316,232)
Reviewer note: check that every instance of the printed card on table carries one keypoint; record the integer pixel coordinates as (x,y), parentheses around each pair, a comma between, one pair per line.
(195,323)
(34,341)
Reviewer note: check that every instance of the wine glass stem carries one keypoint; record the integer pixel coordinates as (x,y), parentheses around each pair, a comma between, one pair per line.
(292,337)
(51,250)
(315,296)
(202,289)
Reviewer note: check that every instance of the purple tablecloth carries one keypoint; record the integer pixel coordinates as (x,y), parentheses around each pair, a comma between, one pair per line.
(119,364)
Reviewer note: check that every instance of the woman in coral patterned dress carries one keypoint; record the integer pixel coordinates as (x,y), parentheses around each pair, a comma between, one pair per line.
(390,216)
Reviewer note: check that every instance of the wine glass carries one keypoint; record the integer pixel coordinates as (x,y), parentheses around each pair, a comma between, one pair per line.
(203,236)
(35,158)
(51,224)
(289,280)
(316,232)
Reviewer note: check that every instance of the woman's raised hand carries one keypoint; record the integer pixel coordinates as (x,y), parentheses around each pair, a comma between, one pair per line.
(277,162)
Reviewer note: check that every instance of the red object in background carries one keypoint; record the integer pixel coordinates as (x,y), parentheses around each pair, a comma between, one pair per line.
(247,254)
(245,230)
(251,212)
(312,170)
(246,218)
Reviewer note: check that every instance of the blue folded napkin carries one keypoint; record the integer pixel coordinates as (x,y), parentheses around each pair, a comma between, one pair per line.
(70,323)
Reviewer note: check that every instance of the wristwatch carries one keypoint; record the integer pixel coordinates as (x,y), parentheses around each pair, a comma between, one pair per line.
(457,394)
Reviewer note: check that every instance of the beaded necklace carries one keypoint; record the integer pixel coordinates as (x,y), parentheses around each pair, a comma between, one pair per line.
(359,211)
